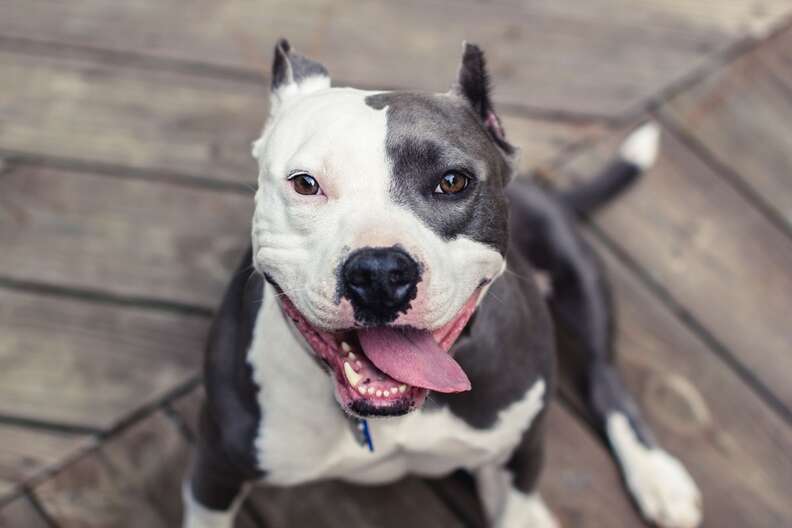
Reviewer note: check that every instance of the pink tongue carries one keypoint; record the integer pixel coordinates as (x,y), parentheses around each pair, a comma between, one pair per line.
(412,356)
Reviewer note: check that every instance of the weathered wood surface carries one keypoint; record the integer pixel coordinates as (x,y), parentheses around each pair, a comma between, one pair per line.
(27,453)
(133,480)
(121,236)
(576,57)
(123,93)
(84,364)
(742,115)
(735,447)
(20,513)
(712,250)
(165,121)
(145,119)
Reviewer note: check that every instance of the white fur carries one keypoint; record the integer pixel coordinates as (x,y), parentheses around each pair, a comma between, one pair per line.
(293,90)
(198,516)
(301,240)
(526,511)
(642,145)
(507,507)
(305,436)
(662,487)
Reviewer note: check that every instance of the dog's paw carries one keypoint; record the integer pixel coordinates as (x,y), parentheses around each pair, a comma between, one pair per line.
(661,486)
(526,511)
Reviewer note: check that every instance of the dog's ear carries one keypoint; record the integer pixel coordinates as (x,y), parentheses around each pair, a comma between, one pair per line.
(473,85)
(294,75)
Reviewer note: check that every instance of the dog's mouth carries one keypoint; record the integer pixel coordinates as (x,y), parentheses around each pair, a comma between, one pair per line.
(387,370)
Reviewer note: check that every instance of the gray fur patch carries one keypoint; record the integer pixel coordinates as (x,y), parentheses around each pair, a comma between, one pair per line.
(429,135)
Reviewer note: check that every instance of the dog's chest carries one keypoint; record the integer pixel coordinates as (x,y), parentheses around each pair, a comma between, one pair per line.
(305,436)
(298,446)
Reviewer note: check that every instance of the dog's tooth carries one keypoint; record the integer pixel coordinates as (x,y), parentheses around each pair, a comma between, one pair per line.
(402,388)
(379,393)
(346,348)
(352,355)
(371,390)
(353,377)
(362,389)
(386,393)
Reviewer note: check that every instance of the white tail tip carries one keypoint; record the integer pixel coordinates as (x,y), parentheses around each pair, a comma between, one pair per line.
(642,145)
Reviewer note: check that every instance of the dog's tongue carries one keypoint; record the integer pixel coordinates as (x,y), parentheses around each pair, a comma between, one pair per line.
(412,356)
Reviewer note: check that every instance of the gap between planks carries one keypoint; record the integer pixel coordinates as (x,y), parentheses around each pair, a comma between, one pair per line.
(132,59)
(715,62)
(697,328)
(729,175)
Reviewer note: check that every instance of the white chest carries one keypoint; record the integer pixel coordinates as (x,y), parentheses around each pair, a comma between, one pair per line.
(304,435)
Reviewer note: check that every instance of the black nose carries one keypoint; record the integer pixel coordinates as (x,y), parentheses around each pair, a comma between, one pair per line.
(380,283)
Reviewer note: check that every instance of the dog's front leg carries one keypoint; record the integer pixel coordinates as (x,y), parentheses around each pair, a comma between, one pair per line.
(217,481)
(212,494)
(509,493)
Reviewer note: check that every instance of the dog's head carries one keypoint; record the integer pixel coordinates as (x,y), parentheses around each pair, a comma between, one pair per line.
(381,218)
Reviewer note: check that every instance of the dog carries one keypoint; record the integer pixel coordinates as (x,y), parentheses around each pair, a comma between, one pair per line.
(391,323)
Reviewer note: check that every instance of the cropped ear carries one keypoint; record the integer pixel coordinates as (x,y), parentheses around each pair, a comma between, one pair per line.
(473,85)
(294,75)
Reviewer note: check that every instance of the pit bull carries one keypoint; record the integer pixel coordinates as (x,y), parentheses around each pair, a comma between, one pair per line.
(386,319)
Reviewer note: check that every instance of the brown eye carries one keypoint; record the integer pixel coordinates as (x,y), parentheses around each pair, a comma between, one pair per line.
(304,183)
(452,183)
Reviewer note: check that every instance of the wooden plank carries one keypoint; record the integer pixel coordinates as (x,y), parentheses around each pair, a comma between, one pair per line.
(574,57)
(20,513)
(580,480)
(542,142)
(735,446)
(7,490)
(126,237)
(168,122)
(144,119)
(711,250)
(85,364)
(134,479)
(27,453)
(741,115)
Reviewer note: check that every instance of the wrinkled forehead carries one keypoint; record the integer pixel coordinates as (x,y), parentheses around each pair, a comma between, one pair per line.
(327,119)
(355,124)
(436,129)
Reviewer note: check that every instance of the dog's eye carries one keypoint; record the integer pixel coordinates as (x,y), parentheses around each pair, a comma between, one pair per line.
(304,183)
(452,183)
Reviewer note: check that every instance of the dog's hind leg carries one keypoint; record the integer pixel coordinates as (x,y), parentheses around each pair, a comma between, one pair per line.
(582,305)
(509,493)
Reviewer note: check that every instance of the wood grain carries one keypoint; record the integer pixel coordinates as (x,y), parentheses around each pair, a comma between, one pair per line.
(733,444)
(741,115)
(20,513)
(121,236)
(712,250)
(89,365)
(162,122)
(576,57)
(26,453)
(133,480)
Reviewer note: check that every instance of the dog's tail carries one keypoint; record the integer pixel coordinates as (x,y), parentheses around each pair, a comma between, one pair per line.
(637,154)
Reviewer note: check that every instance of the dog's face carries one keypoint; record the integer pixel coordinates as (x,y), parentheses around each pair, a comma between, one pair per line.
(380,218)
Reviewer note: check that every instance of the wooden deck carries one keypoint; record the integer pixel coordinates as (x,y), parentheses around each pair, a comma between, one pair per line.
(126,191)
